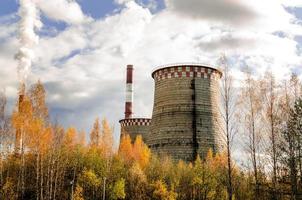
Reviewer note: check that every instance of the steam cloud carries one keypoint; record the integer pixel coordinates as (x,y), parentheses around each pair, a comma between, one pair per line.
(29,22)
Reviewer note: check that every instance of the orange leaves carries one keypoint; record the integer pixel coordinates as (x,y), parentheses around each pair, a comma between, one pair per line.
(141,152)
(29,120)
(137,152)
(32,130)
(161,191)
(23,115)
(38,136)
(82,138)
(70,139)
(125,148)
(107,139)
(95,134)
(37,96)
(101,138)
(216,162)
(45,139)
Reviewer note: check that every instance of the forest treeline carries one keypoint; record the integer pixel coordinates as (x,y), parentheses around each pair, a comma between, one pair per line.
(262,124)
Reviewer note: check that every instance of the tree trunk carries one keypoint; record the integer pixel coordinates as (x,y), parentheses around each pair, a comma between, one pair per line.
(42,177)
(37,176)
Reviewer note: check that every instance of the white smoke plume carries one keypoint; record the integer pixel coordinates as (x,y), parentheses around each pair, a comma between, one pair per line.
(29,22)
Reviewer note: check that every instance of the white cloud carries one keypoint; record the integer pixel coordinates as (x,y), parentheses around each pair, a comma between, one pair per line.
(68,11)
(257,15)
(221,10)
(122,1)
(292,3)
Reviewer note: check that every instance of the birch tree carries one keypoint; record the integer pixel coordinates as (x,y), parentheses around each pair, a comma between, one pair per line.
(251,109)
(227,112)
(271,113)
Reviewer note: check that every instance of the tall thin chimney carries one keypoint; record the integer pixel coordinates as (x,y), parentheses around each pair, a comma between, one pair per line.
(18,139)
(129,92)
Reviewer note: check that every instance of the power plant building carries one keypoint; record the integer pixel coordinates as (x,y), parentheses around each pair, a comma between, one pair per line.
(185,121)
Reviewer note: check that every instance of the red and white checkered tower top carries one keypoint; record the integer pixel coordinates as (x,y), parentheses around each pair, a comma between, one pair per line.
(129,92)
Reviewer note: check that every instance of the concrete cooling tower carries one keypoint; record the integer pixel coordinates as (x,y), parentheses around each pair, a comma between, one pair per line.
(186,120)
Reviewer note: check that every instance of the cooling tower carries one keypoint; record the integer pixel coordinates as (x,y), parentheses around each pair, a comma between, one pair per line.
(129,125)
(135,126)
(186,119)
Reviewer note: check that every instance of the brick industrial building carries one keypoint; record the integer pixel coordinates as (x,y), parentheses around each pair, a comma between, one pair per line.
(185,120)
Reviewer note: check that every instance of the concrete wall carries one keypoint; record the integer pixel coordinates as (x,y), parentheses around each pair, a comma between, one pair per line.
(135,127)
(185,120)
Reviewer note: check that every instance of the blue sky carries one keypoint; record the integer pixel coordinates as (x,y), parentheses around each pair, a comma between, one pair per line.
(94,8)
(85,45)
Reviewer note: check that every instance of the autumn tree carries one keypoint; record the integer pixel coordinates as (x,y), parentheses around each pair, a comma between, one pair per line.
(37,95)
(136,183)
(161,192)
(228,116)
(22,122)
(55,163)
(295,87)
(291,149)
(296,95)
(141,152)
(90,182)
(251,108)
(78,195)
(106,139)
(95,135)
(5,135)
(272,114)
(7,190)
(39,134)
(125,148)
(204,181)
(118,190)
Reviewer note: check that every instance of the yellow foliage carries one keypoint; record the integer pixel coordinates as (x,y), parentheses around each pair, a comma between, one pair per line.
(8,190)
(181,165)
(78,194)
(70,139)
(42,142)
(210,156)
(95,134)
(118,191)
(37,96)
(161,192)
(32,128)
(90,178)
(138,152)
(137,172)
(23,115)
(141,152)
(82,138)
(107,139)
(125,148)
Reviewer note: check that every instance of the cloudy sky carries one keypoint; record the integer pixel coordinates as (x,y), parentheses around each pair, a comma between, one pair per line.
(85,45)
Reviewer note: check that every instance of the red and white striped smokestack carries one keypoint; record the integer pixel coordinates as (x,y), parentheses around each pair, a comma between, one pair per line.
(129,92)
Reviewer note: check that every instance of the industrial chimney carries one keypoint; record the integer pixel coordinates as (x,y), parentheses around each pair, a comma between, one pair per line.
(18,139)
(129,125)
(129,92)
